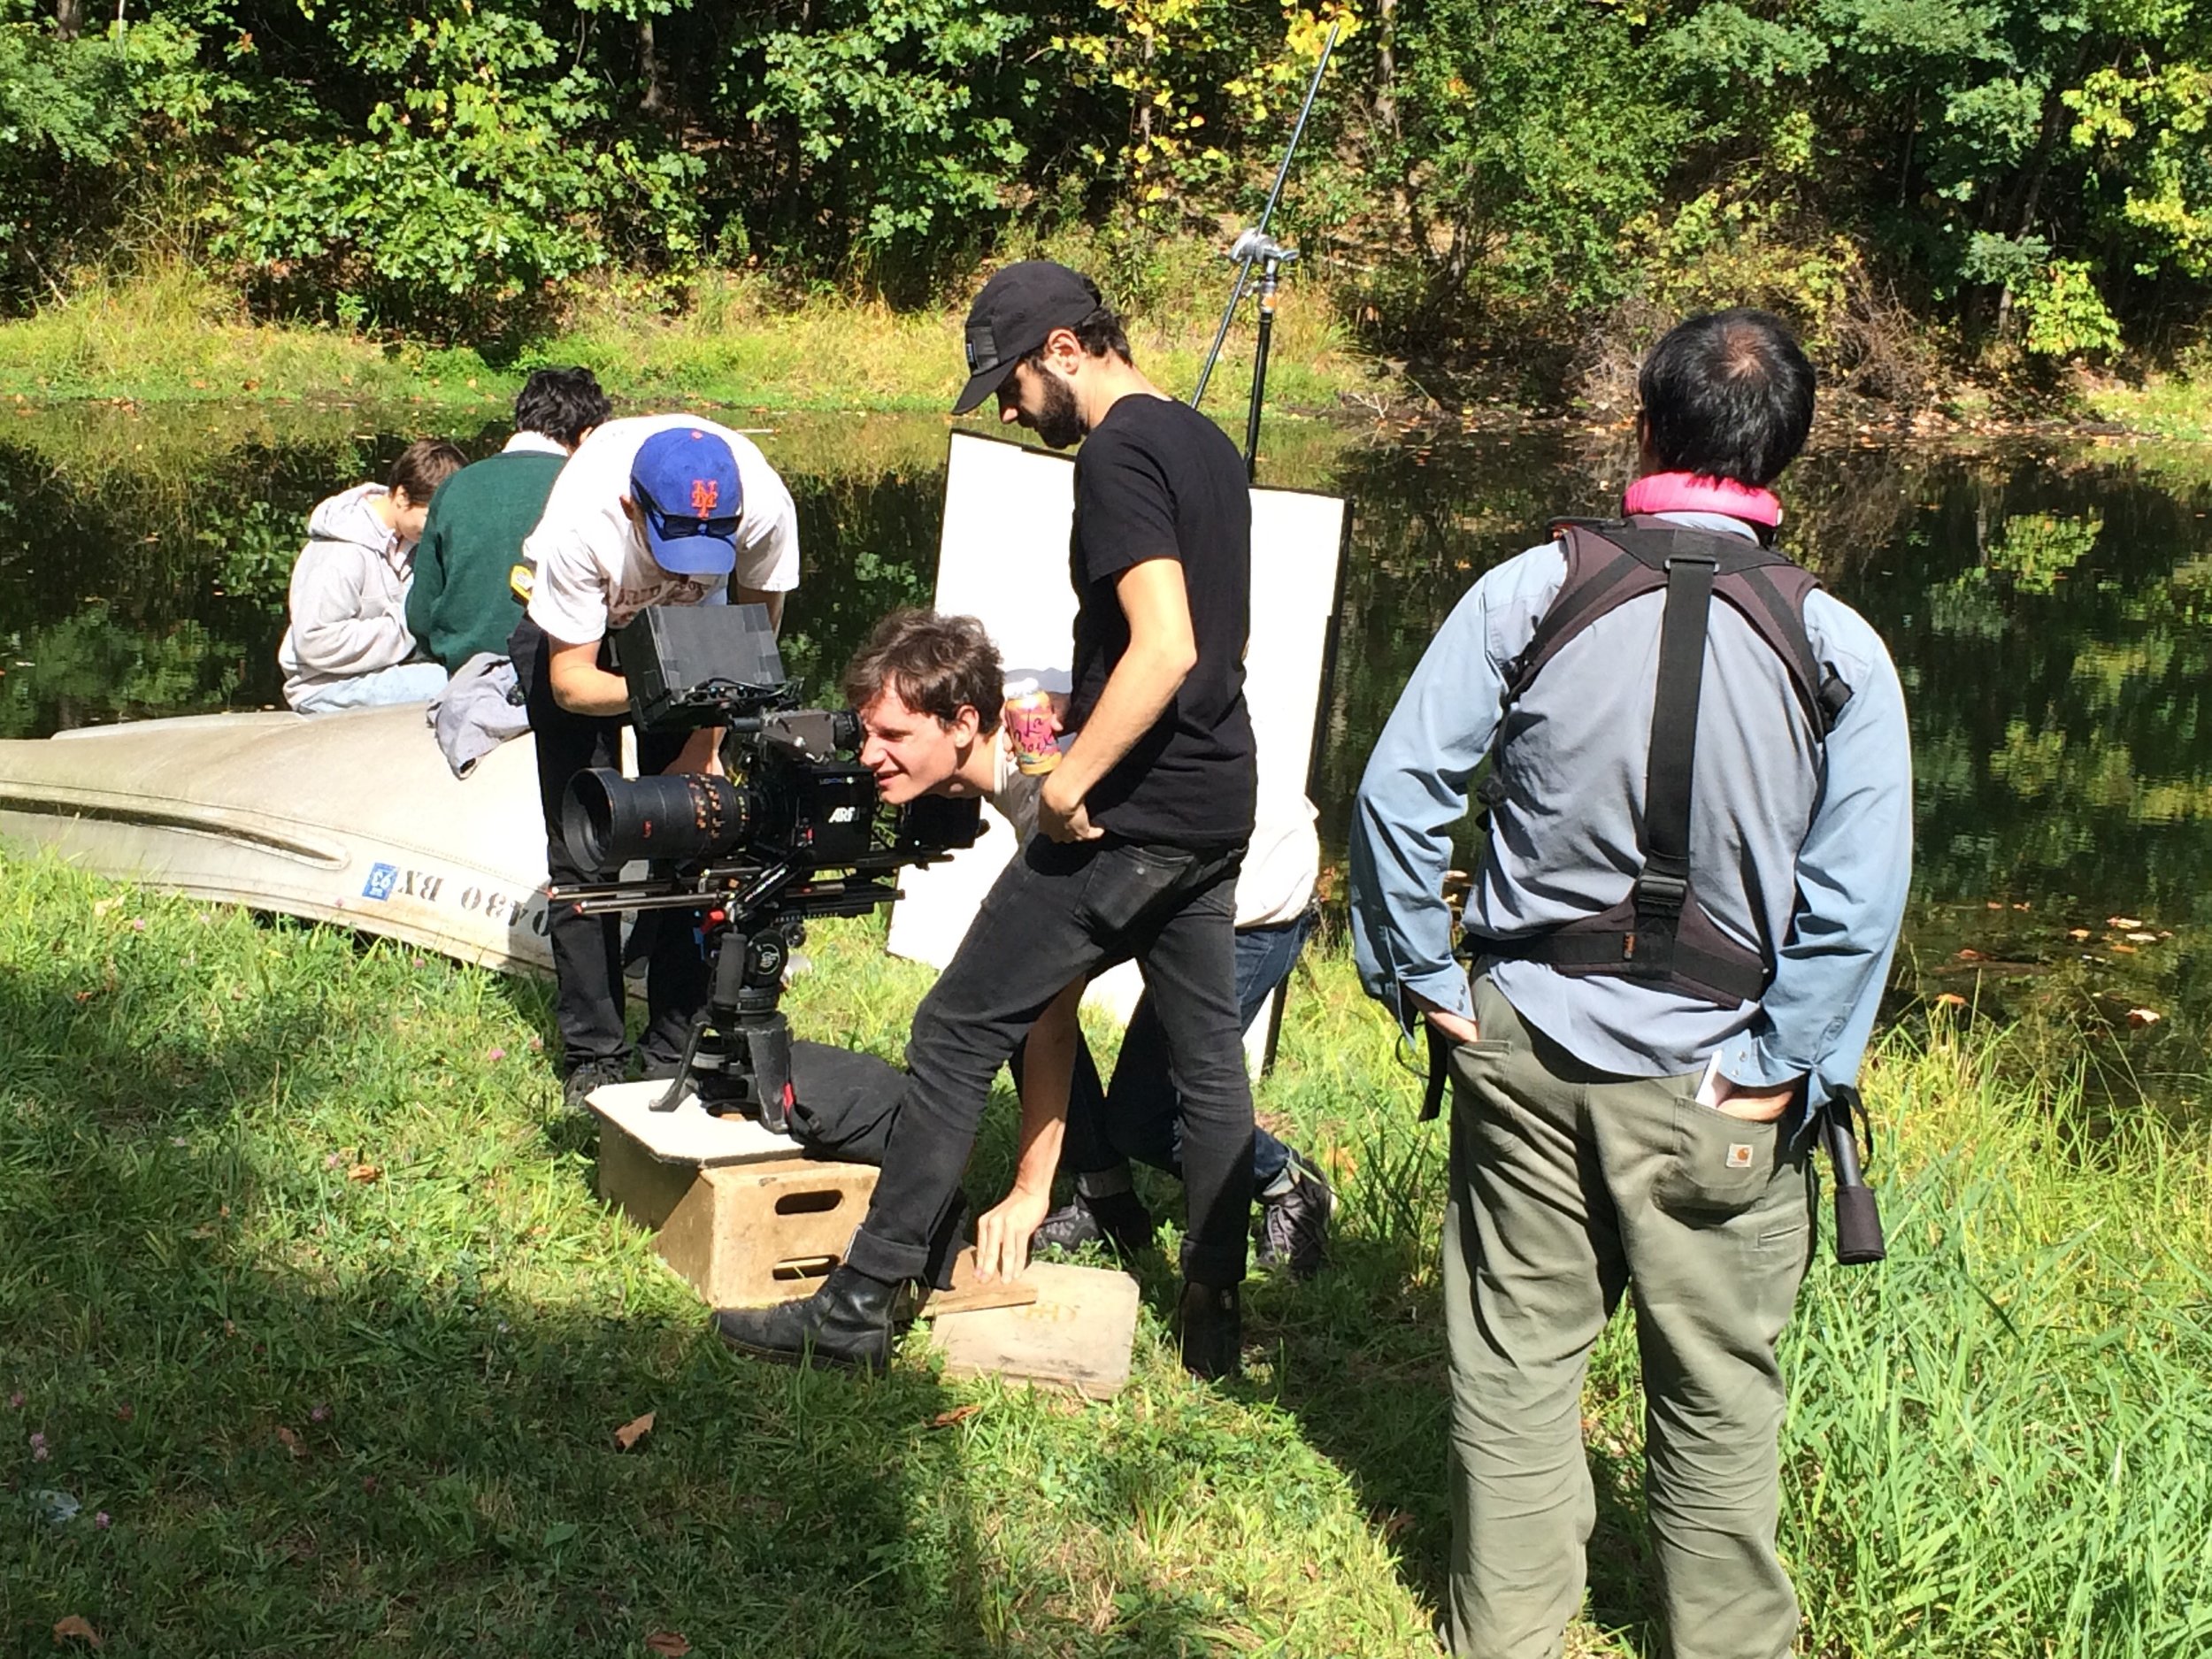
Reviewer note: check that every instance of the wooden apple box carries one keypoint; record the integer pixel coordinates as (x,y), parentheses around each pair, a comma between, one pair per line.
(743,1215)
(746,1218)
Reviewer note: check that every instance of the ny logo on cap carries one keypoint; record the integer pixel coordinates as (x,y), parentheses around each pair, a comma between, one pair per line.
(704,493)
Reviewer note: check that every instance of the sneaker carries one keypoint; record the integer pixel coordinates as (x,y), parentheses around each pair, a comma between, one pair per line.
(1121,1221)
(577,1087)
(1294,1224)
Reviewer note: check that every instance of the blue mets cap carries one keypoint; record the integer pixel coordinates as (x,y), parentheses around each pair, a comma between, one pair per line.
(685,482)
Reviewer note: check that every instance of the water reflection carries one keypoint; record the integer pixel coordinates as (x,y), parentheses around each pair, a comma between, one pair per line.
(2048,612)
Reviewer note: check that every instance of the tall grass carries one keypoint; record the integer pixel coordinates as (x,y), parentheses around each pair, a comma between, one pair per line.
(2003,1442)
(303,1288)
(171,335)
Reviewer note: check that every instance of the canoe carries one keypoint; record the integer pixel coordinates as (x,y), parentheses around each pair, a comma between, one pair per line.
(352,818)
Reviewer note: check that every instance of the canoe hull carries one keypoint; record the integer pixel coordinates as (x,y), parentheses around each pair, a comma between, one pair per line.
(350,818)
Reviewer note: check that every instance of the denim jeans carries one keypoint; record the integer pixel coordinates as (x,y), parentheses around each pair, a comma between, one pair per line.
(1138,1115)
(587,949)
(1059,913)
(402,682)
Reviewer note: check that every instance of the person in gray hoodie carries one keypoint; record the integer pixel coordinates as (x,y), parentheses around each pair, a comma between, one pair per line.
(348,645)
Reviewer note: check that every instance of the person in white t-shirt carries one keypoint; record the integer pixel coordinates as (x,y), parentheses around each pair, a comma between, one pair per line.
(657,510)
(925,687)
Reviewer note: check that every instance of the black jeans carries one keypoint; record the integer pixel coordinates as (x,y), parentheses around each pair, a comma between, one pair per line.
(1059,913)
(842,1109)
(587,949)
(1138,1115)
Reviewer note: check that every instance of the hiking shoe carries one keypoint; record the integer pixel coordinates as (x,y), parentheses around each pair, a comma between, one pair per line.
(1294,1224)
(1121,1221)
(576,1088)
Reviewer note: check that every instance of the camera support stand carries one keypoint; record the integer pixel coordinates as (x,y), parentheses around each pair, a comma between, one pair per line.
(740,1051)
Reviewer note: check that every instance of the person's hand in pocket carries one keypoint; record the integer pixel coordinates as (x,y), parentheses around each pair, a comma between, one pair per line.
(1455,1027)
(1760,1105)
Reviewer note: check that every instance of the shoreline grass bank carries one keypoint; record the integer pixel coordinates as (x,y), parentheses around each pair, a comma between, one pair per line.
(307,1310)
(174,337)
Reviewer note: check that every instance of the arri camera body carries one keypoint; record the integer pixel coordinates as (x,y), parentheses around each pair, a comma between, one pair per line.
(793,831)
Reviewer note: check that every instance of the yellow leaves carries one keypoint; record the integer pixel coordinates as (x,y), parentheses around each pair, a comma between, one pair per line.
(74,1629)
(635,1430)
(1305,33)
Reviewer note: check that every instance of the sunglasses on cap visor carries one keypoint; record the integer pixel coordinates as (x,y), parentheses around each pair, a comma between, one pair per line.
(675,527)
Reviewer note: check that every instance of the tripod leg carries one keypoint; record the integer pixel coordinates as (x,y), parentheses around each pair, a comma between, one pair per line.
(768,1049)
(728,981)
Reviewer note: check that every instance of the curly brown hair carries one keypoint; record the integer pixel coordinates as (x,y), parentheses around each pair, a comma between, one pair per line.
(937,665)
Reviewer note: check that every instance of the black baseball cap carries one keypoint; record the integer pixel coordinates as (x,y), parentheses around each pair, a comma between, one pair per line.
(1017,311)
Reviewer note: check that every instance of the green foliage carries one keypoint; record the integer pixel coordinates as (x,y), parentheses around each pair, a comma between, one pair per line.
(466,192)
(1526,137)
(73,114)
(2065,313)
(2032,176)
(905,119)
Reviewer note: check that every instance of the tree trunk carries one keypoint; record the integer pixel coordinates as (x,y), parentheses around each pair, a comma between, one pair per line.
(648,65)
(1387,68)
(1144,97)
(68,18)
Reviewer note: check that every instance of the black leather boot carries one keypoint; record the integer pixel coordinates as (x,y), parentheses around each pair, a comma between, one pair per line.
(1210,1319)
(848,1322)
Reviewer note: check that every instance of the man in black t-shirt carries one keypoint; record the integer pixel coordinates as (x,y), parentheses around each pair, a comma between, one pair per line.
(1144,824)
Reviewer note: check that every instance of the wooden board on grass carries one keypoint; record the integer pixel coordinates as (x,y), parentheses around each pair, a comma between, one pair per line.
(1077,1335)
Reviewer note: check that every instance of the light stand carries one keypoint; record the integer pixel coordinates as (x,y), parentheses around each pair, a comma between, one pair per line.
(1254,246)
(1272,257)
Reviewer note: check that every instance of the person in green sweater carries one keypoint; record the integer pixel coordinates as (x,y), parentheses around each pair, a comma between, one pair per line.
(470,581)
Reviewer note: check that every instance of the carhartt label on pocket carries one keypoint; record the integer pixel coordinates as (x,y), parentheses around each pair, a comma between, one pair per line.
(1738,1155)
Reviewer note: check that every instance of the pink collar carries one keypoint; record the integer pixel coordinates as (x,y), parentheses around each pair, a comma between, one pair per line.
(1693,492)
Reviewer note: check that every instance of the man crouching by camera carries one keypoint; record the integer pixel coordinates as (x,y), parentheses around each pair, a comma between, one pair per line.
(657,510)
(1144,821)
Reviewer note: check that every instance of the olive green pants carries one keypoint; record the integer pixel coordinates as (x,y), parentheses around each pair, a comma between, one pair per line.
(1568,1188)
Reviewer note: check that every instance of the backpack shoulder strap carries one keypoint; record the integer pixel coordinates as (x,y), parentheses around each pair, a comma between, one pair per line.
(1769,594)
(1603,574)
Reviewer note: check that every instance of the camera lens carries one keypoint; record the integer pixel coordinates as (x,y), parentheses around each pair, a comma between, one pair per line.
(609,819)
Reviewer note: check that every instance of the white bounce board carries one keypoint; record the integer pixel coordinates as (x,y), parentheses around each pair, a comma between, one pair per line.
(1003,558)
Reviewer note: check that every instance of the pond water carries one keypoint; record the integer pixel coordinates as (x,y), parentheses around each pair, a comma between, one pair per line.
(2051,613)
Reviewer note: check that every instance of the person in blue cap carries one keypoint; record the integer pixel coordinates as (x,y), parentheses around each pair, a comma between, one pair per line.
(656,510)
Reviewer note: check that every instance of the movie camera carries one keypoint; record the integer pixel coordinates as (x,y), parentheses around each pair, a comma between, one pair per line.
(792,832)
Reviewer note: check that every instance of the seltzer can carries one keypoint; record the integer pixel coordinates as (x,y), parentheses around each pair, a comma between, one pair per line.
(1028,717)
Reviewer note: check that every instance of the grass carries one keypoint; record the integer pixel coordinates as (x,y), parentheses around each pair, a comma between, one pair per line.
(306,1304)
(171,336)
(2175,406)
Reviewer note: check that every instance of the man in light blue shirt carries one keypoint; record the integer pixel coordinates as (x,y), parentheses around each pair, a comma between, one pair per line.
(1650,1025)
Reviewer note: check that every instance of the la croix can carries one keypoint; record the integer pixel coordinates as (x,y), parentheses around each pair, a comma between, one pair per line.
(1028,717)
